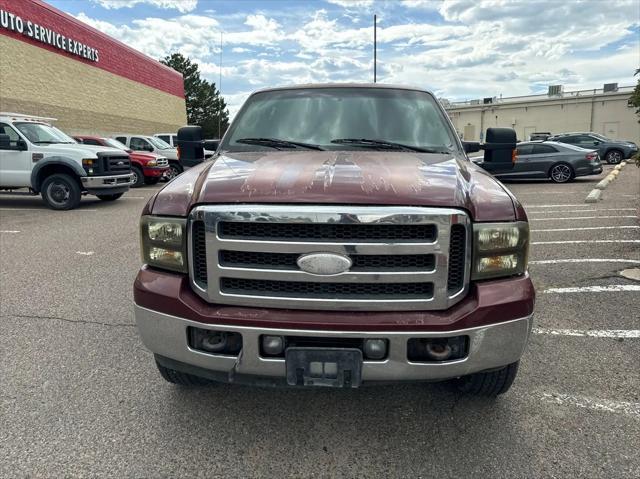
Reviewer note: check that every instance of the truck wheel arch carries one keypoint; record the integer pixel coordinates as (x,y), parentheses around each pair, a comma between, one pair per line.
(54,164)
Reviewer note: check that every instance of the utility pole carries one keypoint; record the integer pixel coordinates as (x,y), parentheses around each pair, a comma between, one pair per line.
(375,48)
(220,92)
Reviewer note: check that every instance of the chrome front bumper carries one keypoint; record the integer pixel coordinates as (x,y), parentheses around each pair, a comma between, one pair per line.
(98,182)
(491,346)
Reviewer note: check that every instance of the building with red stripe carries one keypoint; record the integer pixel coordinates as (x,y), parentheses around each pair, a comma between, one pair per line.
(53,65)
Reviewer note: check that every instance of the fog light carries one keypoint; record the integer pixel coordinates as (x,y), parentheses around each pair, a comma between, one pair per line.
(272,345)
(438,351)
(375,348)
(215,342)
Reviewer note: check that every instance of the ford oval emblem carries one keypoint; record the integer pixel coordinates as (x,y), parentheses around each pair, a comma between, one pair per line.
(325,264)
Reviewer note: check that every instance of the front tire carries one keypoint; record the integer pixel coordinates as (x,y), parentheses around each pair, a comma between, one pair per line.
(138,178)
(180,378)
(561,173)
(61,192)
(174,170)
(110,197)
(489,384)
(613,157)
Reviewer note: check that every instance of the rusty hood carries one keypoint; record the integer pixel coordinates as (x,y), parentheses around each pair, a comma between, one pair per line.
(339,177)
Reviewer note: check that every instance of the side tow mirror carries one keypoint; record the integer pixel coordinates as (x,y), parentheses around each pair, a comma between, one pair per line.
(21,144)
(471,146)
(500,146)
(5,142)
(190,145)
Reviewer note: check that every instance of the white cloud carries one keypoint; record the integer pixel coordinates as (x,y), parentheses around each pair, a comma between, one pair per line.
(352,3)
(182,6)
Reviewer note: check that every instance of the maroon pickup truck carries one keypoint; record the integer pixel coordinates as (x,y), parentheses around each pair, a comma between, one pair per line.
(340,237)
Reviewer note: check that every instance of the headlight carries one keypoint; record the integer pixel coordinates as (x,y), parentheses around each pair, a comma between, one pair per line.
(152,163)
(500,249)
(163,242)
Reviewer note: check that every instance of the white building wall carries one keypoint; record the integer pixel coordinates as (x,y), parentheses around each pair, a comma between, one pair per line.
(605,113)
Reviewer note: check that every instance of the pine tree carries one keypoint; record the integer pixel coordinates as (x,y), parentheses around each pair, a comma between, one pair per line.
(205,105)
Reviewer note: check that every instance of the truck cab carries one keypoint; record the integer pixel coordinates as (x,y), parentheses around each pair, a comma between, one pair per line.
(37,156)
(340,237)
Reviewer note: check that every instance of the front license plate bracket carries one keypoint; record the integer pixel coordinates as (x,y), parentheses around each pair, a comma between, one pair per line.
(329,367)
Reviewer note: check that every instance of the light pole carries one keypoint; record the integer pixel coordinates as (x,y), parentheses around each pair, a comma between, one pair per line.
(375,48)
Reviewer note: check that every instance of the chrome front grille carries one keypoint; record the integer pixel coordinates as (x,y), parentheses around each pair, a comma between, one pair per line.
(403,258)
(162,162)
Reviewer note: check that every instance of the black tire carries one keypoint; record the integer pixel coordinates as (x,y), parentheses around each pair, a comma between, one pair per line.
(110,197)
(138,177)
(61,192)
(561,173)
(613,157)
(174,170)
(489,384)
(151,180)
(180,378)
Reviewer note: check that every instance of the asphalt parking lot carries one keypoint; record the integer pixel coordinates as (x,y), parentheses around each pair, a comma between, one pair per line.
(80,396)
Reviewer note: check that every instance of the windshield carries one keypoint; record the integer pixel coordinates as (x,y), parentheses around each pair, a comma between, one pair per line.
(41,133)
(600,137)
(158,143)
(320,116)
(114,144)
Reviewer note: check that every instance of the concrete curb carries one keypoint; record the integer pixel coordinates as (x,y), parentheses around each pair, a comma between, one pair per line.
(594,196)
(603,184)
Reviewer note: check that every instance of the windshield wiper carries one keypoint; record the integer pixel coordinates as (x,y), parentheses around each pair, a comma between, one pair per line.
(47,142)
(277,143)
(391,145)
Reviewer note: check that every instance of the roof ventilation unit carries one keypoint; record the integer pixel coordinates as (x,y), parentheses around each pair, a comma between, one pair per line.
(610,87)
(474,102)
(555,90)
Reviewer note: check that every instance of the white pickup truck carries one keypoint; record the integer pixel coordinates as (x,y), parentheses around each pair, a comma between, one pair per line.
(39,157)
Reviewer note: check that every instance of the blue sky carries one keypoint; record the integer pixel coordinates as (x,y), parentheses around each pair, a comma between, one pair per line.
(460,49)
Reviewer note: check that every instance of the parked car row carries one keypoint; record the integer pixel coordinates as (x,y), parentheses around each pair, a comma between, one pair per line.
(560,162)
(563,157)
(37,156)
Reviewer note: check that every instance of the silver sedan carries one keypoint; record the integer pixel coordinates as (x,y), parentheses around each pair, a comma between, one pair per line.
(559,162)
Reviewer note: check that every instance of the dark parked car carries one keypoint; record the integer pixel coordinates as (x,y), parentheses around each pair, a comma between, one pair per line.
(612,151)
(539,135)
(558,161)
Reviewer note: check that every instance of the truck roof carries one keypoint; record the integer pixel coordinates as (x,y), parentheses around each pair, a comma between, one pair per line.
(342,85)
(24,117)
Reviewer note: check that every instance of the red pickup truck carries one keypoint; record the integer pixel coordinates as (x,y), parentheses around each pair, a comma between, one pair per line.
(339,237)
(147,168)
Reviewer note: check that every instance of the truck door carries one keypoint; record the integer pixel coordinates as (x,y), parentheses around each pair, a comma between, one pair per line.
(15,164)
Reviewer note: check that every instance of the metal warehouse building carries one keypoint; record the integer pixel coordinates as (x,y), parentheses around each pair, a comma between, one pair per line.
(53,65)
(606,111)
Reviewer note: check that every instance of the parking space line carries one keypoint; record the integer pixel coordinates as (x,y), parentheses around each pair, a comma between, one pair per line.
(585,241)
(549,206)
(620,407)
(591,333)
(580,211)
(627,227)
(9,231)
(610,288)
(585,260)
(583,217)
(85,253)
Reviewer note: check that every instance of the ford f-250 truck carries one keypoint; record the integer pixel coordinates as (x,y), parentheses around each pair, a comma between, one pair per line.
(339,237)
(37,156)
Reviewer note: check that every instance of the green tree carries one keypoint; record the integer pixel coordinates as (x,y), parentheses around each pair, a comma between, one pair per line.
(635,101)
(205,105)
